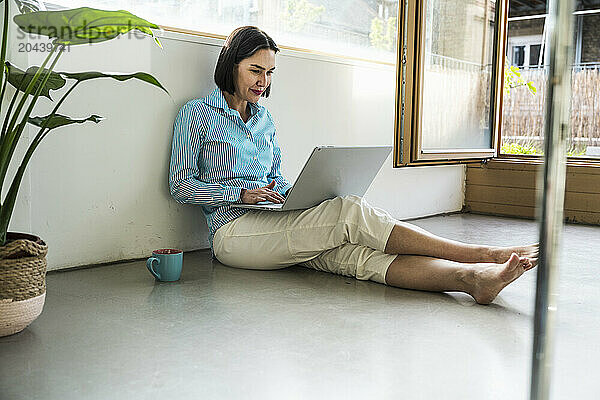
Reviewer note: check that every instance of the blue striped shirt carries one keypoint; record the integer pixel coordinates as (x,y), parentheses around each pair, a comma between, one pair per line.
(215,154)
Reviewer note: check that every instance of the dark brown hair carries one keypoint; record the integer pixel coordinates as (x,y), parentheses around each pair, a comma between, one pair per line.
(242,43)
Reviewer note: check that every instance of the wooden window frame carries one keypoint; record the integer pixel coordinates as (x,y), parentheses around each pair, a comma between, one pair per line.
(409,72)
(409,91)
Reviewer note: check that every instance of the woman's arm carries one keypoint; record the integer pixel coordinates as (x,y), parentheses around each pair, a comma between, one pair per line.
(282,186)
(187,143)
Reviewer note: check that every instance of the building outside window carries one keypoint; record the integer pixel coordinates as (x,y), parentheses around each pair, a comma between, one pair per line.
(524,52)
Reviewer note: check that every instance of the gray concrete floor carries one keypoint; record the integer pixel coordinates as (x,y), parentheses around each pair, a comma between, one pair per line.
(112,332)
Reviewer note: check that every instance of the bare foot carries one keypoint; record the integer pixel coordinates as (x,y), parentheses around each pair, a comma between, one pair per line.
(502,254)
(492,278)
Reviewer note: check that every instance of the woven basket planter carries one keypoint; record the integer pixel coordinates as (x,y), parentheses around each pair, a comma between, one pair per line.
(22,281)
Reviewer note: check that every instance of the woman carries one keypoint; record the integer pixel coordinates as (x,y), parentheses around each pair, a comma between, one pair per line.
(225,151)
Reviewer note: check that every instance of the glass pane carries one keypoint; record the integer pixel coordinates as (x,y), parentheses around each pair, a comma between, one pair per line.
(524,96)
(518,55)
(457,85)
(364,29)
(534,54)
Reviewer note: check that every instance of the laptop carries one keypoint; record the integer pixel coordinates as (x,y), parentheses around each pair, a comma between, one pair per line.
(329,172)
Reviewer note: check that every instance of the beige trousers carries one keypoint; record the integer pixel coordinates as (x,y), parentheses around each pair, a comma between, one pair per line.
(344,235)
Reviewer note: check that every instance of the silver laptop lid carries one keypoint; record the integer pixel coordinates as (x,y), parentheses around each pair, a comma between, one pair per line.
(333,171)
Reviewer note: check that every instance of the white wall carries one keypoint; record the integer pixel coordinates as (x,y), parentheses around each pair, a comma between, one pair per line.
(99,193)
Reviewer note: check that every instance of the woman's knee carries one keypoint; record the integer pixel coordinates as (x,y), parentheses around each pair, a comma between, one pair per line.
(351,207)
(353,199)
(340,204)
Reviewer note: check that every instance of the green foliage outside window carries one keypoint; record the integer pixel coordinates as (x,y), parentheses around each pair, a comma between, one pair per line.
(299,13)
(384,33)
(513,79)
(515,148)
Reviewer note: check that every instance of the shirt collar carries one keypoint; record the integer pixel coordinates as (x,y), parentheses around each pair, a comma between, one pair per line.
(216,99)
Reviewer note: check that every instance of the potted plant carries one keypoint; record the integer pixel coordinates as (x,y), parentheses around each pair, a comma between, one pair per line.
(23,255)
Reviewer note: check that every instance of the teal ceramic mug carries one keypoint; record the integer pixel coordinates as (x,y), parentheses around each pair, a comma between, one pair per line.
(165,264)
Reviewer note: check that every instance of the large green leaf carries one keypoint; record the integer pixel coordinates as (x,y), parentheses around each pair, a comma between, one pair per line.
(20,79)
(84,76)
(60,120)
(27,6)
(83,25)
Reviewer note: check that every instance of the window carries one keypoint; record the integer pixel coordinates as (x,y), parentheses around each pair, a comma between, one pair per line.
(448,80)
(534,55)
(524,52)
(353,28)
(518,56)
(453,102)
(522,133)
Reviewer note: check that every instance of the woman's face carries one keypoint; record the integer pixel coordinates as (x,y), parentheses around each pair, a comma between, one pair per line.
(253,75)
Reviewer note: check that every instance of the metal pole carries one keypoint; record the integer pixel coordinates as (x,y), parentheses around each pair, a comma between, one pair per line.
(557,127)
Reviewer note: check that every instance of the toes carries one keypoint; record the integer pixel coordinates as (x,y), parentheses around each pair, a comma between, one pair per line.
(523,260)
(534,262)
(524,263)
(528,263)
(530,267)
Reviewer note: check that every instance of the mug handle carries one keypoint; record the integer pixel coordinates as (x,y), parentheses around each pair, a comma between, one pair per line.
(149,263)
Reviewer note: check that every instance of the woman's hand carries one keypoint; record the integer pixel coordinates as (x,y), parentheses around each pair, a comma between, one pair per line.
(261,194)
